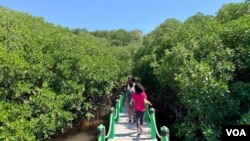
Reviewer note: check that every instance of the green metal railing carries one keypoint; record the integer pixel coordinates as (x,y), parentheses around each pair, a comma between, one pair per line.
(114,117)
(154,131)
(149,117)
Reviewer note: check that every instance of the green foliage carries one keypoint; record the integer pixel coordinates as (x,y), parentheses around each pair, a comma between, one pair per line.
(233,11)
(14,122)
(236,36)
(198,71)
(245,119)
(118,37)
(51,77)
(240,92)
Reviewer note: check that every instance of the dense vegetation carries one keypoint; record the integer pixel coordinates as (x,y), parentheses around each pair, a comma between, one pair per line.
(198,72)
(118,37)
(51,77)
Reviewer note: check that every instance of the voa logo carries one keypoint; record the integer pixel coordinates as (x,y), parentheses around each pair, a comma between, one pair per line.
(236,132)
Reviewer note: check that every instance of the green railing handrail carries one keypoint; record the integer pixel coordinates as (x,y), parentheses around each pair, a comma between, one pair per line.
(154,131)
(111,131)
(117,110)
(101,132)
(114,117)
(164,134)
(121,102)
(146,116)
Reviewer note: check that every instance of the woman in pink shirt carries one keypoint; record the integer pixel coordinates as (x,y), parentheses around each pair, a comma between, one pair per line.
(140,99)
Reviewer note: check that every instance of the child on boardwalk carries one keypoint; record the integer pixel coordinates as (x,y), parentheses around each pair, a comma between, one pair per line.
(139,98)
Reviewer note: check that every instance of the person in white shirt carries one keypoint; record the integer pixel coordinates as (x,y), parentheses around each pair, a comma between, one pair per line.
(130,91)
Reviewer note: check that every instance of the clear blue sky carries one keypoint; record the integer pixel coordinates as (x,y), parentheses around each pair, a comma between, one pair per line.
(144,15)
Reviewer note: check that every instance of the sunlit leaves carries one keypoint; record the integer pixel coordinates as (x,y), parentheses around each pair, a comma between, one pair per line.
(199,71)
(50,76)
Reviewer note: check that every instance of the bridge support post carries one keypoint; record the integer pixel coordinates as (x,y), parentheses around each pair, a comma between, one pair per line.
(124,98)
(146,117)
(117,110)
(112,124)
(120,103)
(164,133)
(152,123)
(101,132)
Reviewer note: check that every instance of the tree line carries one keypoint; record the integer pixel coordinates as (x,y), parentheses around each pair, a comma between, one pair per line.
(198,72)
(51,77)
(119,37)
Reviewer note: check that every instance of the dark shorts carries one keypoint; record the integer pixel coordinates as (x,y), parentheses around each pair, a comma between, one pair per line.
(139,117)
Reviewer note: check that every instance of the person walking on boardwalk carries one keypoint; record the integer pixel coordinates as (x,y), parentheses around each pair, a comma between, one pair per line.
(130,90)
(139,98)
(128,81)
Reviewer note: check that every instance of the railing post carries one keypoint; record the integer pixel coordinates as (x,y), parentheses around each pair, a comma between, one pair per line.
(146,117)
(164,133)
(117,109)
(112,127)
(120,103)
(124,98)
(152,123)
(101,132)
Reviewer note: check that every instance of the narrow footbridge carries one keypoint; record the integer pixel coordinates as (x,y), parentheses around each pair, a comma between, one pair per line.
(122,130)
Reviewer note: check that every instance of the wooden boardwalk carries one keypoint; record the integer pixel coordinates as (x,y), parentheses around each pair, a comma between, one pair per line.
(125,131)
